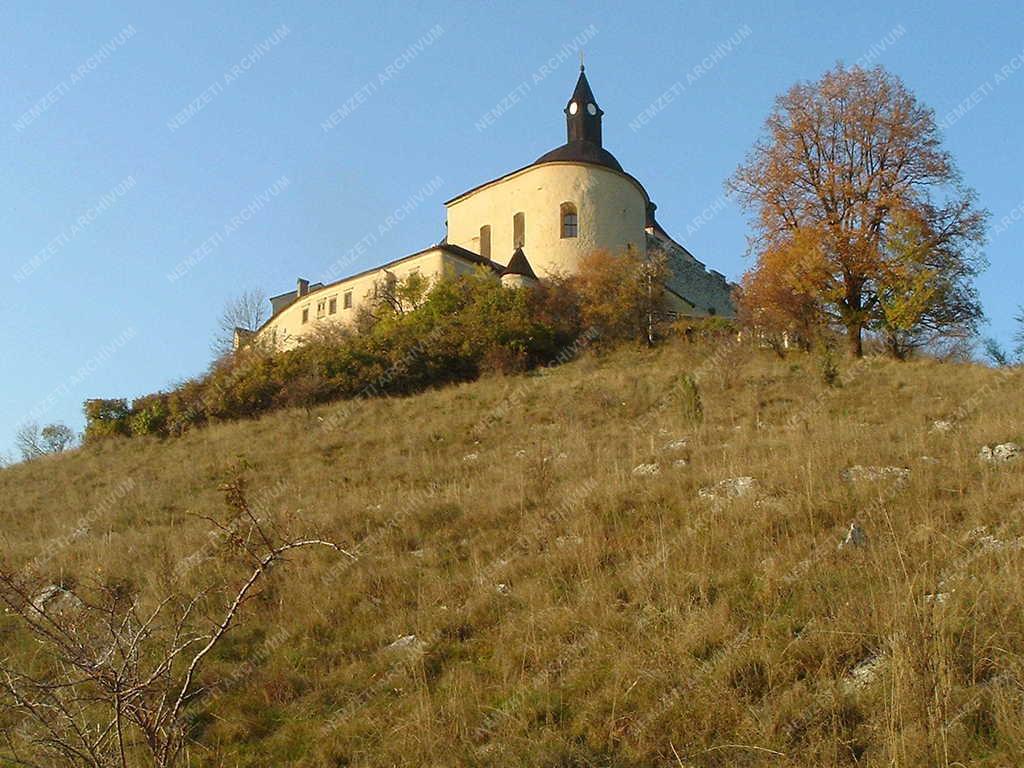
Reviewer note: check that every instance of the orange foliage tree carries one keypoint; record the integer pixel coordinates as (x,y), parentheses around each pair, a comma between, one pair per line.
(845,163)
(621,296)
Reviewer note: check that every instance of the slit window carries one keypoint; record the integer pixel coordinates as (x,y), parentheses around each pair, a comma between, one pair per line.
(332,307)
(347,300)
(519,230)
(485,241)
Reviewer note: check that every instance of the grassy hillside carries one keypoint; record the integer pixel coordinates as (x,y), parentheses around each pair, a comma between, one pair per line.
(569,608)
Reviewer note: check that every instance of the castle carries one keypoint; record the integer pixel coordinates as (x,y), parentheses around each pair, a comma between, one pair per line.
(535,221)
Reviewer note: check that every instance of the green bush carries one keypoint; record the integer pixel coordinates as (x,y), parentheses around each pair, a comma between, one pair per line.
(149,415)
(106,418)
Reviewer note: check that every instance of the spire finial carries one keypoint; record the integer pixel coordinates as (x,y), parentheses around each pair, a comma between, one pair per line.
(581,62)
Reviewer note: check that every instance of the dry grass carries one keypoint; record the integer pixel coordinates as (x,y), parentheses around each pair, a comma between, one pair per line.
(570,612)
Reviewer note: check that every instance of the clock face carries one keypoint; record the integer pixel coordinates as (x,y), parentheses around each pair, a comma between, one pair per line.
(591,109)
(574,108)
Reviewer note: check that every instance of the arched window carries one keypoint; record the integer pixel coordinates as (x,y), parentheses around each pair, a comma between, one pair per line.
(519,230)
(485,241)
(570,221)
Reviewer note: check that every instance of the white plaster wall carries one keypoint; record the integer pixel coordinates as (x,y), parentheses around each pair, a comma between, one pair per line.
(287,330)
(612,214)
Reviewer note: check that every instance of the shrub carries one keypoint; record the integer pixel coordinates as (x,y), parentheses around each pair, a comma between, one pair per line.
(829,366)
(106,418)
(455,331)
(691,406)
(149,415)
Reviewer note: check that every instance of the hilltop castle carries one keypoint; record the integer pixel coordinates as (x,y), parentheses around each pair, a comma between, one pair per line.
(535,221)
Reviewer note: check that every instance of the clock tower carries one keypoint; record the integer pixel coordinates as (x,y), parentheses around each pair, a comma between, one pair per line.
(582,115)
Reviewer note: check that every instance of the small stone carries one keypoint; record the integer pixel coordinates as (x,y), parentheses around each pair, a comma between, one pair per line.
(733,488)
(865,673)
(678,463)
(55,599)
(676,445)
(503,589)
(646,469)
(942,426)
(407,643)
(471,457)
(520,453)
(855,537)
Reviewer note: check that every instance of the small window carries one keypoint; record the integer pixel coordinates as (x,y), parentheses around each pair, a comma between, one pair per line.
(332,307)
(485,241)
(321,309)
(305,315)
(519,230)
(570,220)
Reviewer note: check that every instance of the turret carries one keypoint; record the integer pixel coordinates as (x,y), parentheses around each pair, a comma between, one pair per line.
(582,115)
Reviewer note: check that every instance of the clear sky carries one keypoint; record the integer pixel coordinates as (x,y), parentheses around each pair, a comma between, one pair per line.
(312,123)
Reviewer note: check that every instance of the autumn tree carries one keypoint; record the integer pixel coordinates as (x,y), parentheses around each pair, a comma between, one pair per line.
(34,442)
(851,181)
(621,295)
(780,298)
(247,312)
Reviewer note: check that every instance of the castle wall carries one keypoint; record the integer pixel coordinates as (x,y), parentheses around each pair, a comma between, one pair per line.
(708,291)
(286,329)
(612,212)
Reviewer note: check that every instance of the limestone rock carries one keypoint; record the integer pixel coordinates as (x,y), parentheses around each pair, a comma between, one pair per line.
(858,473)
(855,537)
(55,599)
(407,643)
(733,488)
(998,454)
(675,445)
(646,469)
(865,672)
(942,426)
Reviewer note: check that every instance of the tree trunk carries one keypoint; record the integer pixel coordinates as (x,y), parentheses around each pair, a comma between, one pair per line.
(855,344)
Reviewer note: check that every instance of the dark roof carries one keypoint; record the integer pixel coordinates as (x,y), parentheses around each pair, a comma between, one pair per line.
(547,159)
(580,152)
(583,95)
(519,265)
(454,250)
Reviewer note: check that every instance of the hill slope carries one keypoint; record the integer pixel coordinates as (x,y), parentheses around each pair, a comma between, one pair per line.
(572,607)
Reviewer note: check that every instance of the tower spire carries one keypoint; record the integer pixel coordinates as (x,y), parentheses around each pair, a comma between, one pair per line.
(582,115)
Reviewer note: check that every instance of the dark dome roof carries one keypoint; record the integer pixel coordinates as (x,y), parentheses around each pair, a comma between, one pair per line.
(581,152)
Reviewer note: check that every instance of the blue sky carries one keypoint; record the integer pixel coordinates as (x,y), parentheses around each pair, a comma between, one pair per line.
(111,186)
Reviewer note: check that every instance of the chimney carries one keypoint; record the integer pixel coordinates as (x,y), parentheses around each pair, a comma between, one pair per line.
(302,288)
